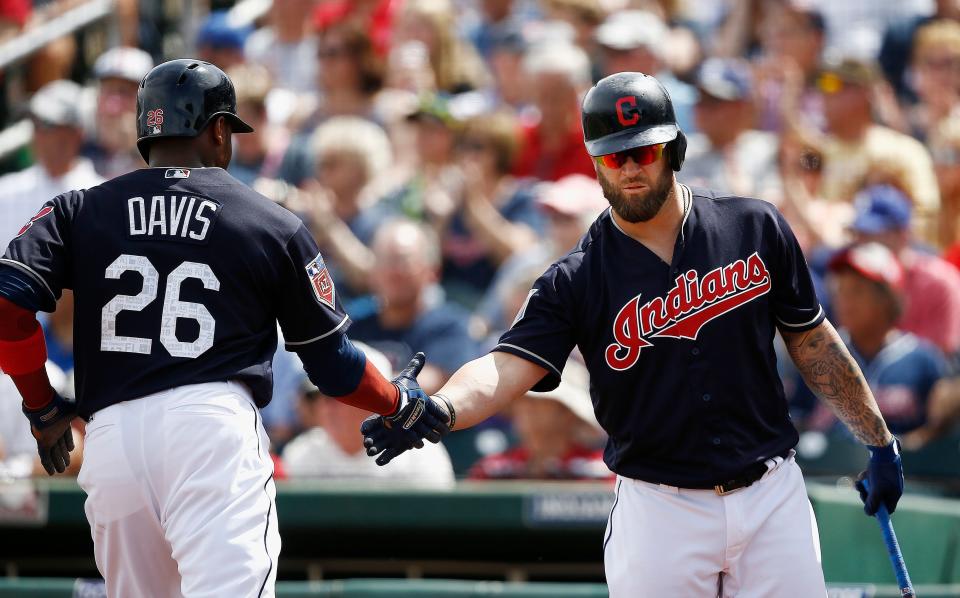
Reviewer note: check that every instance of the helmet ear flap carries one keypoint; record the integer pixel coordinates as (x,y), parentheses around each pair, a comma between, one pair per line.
(677,150)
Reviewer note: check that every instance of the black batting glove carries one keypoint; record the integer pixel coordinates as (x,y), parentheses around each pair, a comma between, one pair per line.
(885,476)
(417,417)
(50,426)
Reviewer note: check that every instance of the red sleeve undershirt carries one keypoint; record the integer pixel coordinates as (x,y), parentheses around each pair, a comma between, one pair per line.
(374,392)
(17,324)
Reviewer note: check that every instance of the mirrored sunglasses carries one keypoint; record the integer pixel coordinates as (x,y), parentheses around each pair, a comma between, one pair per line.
(643,156)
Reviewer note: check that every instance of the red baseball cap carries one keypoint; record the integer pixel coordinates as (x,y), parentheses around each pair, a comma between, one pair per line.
(873,261)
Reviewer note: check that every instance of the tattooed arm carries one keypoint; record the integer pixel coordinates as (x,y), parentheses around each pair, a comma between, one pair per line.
(833,375)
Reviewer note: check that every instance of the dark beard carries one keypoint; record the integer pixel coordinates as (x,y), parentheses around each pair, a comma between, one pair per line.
(641,208)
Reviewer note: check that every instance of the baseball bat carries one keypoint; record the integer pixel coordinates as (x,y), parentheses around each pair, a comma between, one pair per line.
(893,549)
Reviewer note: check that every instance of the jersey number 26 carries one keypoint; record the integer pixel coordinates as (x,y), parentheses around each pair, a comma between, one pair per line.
(173,308)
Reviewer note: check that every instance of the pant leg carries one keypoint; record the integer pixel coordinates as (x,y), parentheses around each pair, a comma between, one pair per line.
(775,552)
(129,547)
(218,493)
(662,541)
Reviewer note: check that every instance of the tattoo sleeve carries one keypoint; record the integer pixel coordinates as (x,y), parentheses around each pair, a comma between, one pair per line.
(833,375)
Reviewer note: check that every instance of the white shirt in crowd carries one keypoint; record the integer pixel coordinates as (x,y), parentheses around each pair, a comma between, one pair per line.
(23,193)
(314,454)
(17,446)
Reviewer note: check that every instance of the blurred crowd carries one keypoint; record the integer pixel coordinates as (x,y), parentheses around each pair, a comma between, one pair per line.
(434,148)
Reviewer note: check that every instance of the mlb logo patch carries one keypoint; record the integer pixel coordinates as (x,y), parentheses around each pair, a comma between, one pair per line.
(321,281)
(177,173)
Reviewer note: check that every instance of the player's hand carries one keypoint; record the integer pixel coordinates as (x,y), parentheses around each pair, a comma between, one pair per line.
(51,428)
(885,476)
(418,416)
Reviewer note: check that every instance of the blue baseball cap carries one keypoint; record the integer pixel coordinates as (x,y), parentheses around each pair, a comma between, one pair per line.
(881,208)
(727,79)
(217,31)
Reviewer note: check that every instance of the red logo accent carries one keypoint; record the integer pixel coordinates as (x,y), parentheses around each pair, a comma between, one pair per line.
(321,281)
(631,102)
(43,212)
(689,305)
(155,117)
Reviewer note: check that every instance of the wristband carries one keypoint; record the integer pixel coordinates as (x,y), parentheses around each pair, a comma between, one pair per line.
(23,356)
(450,409)
(885,454)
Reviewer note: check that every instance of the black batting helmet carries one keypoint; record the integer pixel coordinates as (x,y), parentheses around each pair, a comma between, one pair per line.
(627,110)
(178,98)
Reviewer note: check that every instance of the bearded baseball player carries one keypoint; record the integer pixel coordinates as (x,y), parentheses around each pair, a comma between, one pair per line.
(674,296)
(180,274)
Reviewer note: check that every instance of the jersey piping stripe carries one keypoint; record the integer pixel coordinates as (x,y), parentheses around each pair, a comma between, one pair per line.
(807,323)
(31,272)
(266,528)
(531,354)
(317,338)
(610,518)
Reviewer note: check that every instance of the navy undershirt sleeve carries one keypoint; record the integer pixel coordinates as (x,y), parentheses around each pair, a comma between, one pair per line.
(334,364)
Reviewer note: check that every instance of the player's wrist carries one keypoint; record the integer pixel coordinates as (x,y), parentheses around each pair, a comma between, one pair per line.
(885,454)
(56,409)
(447,405)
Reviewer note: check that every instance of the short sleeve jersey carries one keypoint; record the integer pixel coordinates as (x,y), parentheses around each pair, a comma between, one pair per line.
(179,277)
(682,366)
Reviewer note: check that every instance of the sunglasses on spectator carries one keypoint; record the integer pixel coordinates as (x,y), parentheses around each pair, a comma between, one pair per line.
(643,156)
(333,52)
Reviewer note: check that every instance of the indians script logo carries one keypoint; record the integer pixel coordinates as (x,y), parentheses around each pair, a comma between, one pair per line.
(690,304)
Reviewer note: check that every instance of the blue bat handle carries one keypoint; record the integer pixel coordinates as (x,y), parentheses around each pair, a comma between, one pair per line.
(893,549)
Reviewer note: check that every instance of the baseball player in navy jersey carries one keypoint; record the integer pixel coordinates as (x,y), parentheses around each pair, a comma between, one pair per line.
(180,274)
(673,297)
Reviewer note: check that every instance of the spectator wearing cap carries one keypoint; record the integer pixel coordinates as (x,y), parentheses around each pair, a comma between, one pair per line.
(220,41)
(331,447)
(113,144)
(506,50)
(496,216)
(557,74)
(635,41)
(856,149)
(569,206)
(898,42)
(558,436)
(287,46)
(931,286)
(728,154)
(867,285)
(57,137)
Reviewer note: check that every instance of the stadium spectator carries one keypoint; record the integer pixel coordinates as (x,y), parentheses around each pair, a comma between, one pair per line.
(455,64)
(505,62)
(944,144)
(583,16)
(220,41)
(410,315)
(287,46)
(569,205)
(497,19)
(260,153)
(728,154)
(496,216)
(558,436)
(931,286)
(792,36)
(113,146)
(934,76)
(350,76)
(331,448)
(557,74)
(866,284)
(635,40)
(856,147)
(57,136)
(898,41)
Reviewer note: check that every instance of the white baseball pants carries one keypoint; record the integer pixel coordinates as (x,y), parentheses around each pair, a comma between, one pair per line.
(757,542)
(180,495)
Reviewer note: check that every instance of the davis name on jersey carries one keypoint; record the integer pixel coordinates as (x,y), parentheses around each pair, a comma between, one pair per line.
(179,217)
(720,291)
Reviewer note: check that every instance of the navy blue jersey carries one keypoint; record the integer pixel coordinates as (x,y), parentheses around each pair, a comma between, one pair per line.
(683,373)
(179,277)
